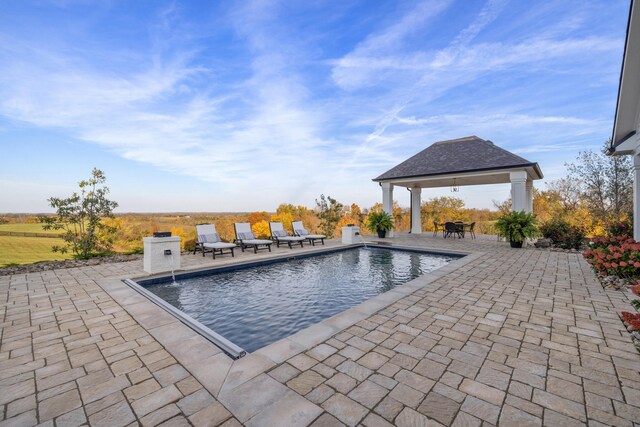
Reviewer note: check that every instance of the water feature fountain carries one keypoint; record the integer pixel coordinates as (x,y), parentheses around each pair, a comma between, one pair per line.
(161,253)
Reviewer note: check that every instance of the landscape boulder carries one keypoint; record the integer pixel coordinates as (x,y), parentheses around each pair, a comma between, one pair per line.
(543,243)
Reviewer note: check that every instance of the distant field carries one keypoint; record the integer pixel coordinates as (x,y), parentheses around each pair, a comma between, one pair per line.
(27,228)
(27,250)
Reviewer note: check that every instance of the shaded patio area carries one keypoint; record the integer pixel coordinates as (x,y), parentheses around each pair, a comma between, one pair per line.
(459,162)
(509,337)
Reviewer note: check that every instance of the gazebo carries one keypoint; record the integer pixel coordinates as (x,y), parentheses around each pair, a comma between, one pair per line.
(459,162)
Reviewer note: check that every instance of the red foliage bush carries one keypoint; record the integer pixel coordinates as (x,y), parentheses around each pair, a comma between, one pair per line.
(603,242)
(632,319)
(626,316)
(615,256)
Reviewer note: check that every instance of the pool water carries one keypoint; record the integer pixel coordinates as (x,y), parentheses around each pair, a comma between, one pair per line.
(256,306)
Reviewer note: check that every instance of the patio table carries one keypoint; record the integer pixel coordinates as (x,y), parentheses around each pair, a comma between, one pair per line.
(459,225)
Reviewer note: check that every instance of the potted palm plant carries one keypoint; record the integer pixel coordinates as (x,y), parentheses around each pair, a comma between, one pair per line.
(517,226)
(379,222)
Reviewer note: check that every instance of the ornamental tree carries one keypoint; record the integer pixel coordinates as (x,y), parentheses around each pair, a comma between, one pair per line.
(81,217)
(605,183)
(329,211)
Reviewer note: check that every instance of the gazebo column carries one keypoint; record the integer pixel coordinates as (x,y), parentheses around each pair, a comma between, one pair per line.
(529,195)
(387,201)
(416,219)
(518,191)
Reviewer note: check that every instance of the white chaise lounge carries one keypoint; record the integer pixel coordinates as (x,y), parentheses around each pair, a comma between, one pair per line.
(299,230)
(209,241)
(246,238)
(280,235)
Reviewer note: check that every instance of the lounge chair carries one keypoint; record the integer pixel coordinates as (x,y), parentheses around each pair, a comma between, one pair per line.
(280,235)
(245,238)
(209,241)
(299,230)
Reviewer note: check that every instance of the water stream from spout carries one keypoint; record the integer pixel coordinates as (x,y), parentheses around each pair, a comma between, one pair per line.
(362,240)
(173,276)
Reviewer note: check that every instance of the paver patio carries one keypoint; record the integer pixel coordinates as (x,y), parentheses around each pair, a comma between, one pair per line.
(505,337)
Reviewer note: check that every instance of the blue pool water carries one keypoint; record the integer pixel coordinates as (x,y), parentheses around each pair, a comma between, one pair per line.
(253,307)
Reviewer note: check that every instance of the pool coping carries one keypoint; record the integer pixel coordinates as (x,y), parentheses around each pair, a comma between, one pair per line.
(220,373)
(231,349)
(233,266)
(226,345)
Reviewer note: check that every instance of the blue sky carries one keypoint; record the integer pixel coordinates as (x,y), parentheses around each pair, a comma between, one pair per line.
(238,106)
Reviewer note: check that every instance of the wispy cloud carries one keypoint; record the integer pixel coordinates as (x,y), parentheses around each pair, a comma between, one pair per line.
(384,50)
(160,115)
(415,78)
(260,100)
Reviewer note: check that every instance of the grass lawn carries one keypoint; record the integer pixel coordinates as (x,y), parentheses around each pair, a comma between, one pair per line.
(27,250)
(27,228)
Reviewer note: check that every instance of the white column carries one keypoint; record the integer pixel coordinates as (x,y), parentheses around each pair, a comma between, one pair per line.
(387,201)
(529,195)
(416,220)
(636,195)
(518,191)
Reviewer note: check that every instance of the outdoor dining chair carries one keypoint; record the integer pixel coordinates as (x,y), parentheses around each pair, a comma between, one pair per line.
(451,228)
(472,228)
(435,228)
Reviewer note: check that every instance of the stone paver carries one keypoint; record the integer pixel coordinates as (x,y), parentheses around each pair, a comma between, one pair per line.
(345,409)
(509,337)
(439,407)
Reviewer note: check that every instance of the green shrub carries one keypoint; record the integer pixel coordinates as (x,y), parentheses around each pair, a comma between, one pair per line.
(135,251)
(379,220)
(517,226)
(620,228)
(189,244)
(562,234)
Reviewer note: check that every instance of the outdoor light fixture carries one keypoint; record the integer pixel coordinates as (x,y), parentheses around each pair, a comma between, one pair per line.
(454,187)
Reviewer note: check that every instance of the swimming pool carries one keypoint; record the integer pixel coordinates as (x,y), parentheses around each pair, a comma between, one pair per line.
(258,305)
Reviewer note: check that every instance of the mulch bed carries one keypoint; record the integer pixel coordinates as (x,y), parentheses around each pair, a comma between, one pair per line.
(69,263)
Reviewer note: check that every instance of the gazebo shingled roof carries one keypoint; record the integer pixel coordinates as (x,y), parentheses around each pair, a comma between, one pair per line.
(468,154)
(460,162)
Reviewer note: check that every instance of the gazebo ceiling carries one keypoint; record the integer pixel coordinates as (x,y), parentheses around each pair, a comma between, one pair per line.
(461,179)
(470,160)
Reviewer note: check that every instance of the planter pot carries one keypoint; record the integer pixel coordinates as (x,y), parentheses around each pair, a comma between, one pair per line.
(382,233)
(516,244)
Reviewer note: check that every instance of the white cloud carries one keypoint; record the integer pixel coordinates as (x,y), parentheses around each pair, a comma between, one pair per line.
(408,77)
(269,133)
(506,122)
